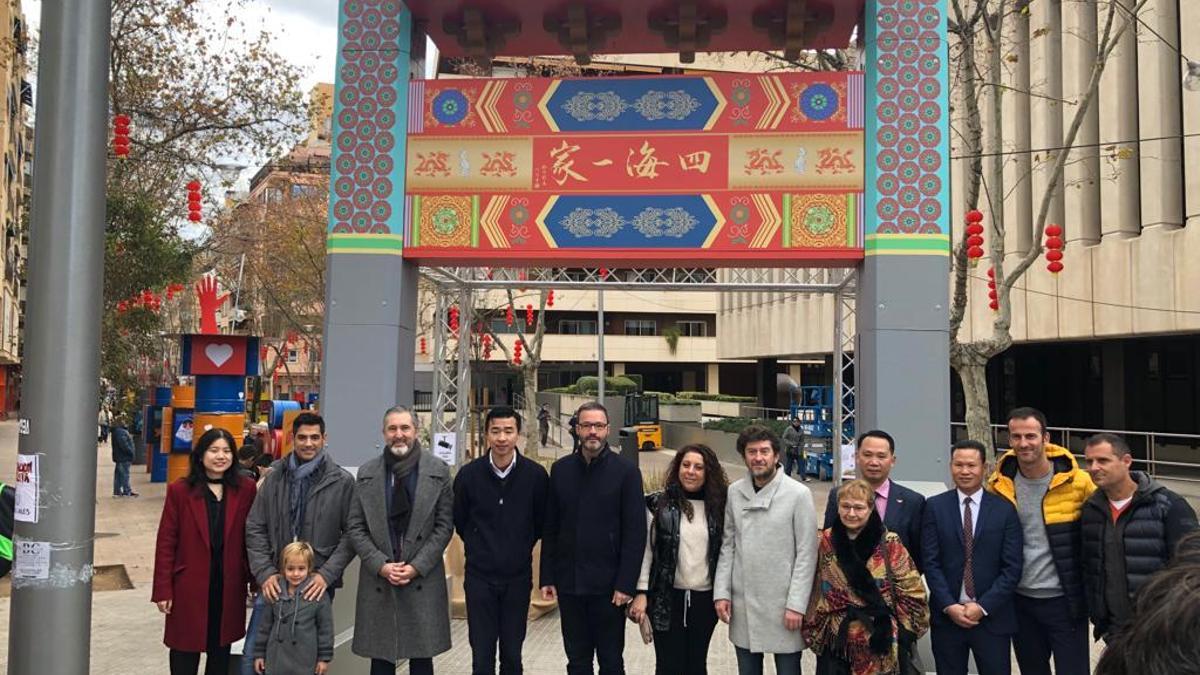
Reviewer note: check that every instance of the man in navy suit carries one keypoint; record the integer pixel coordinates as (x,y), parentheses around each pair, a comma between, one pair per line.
(898,506)
(972,544)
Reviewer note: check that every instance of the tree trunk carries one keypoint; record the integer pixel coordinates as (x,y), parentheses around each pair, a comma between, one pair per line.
(972,372)
(529,393)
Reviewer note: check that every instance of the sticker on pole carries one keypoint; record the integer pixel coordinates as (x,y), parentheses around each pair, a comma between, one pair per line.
(31,559)
(445,448)
(28,479)
(23,426)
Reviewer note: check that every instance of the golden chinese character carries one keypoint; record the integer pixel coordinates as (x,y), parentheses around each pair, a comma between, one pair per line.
(498,164)
(763,161)
(646,165)
(564,162)
(695,161)
(433,164)
(835,161)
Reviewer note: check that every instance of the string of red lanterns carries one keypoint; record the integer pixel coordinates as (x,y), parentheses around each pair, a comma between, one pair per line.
(974,235)
(121,136)
(423,344)
(453,318)
(550,298)
(993,297)
(508,315)
(517,348)
(528,316)
(193,199)
(1054,246)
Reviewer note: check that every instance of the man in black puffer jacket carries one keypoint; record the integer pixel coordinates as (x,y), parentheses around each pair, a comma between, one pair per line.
(1130,528)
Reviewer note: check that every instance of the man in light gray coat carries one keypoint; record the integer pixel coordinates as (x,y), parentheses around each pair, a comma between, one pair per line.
(768,558)
(401,521)
(305,497)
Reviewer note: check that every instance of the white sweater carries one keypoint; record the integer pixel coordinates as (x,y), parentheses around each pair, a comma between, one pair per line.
(691,565)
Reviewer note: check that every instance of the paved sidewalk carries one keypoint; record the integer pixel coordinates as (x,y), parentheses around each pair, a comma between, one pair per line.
(127,629)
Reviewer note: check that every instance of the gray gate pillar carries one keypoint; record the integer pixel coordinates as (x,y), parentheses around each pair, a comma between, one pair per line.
(371,291)
(903,362)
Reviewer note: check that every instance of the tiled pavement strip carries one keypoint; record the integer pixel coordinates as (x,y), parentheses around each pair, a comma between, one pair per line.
(127,629)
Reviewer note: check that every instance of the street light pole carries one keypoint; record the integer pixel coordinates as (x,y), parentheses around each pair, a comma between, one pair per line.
(51,612)
(600,345)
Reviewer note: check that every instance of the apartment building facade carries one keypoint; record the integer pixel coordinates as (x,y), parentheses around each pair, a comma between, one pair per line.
(1112,341)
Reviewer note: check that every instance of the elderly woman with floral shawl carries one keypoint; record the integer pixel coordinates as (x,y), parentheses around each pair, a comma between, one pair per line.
(868,605)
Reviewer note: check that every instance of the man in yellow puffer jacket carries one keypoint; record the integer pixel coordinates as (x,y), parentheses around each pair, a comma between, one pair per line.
(1044,483)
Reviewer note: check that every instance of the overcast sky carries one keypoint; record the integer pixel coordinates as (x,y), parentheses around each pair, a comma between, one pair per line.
(305,32)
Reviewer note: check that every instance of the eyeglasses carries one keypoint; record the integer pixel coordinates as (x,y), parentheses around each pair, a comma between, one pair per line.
(593,426)
(854,508)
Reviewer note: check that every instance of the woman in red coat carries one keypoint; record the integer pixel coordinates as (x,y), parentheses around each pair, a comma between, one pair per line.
(201,576)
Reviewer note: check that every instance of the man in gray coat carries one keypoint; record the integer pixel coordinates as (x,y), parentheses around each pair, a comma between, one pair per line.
(768,557)
(305,497)
(401,521)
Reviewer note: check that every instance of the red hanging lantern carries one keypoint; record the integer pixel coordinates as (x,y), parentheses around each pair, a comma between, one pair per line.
(1054,246)
(517,348)
(528,316)
(603,272)
(992,295)
(424,346)
(974,232)
(193,199)
(453,318)
(508,315)
(550,298)
(121,136)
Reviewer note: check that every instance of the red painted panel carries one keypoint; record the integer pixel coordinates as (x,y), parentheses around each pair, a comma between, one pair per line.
(838,18)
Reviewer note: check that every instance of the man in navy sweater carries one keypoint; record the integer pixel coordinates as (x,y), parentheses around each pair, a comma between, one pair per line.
(499,503)
(593,544)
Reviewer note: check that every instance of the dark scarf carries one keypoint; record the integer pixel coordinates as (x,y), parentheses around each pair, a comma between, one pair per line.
(301,478)
(852,557)
(402,473)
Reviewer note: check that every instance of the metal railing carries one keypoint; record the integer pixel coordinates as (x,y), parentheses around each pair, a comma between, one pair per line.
(1162,455)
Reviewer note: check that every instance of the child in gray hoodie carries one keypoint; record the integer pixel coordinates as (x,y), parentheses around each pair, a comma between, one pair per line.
(296,635)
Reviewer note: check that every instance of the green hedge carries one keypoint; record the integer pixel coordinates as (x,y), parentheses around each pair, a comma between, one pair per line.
(724,398)
(734,425)
(619,384)
(671,399)
(570,389)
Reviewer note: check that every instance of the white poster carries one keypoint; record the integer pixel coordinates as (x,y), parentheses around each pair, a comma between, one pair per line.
(848,461)
(31,559)
(28,479)
(445,448)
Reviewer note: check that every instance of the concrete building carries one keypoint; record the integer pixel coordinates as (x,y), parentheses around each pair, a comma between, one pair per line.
(1111,342)
(16,144)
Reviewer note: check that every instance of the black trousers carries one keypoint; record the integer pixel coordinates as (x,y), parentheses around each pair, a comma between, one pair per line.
(1044,629)
(592,627)
(497,611)
(683,650)
(952,644)
(415,667)
(188,663)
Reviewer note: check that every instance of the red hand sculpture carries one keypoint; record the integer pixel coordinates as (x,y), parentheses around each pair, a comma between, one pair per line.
(206,292)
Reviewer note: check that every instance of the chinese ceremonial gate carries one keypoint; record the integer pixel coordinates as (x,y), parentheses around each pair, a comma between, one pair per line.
(772,170)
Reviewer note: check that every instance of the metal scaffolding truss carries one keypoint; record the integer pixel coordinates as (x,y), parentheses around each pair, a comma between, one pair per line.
(799,279)
(844,355)
(456,285)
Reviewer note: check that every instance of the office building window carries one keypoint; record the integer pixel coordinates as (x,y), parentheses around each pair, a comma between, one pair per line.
(577,327)
(641,327)
(692,328)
